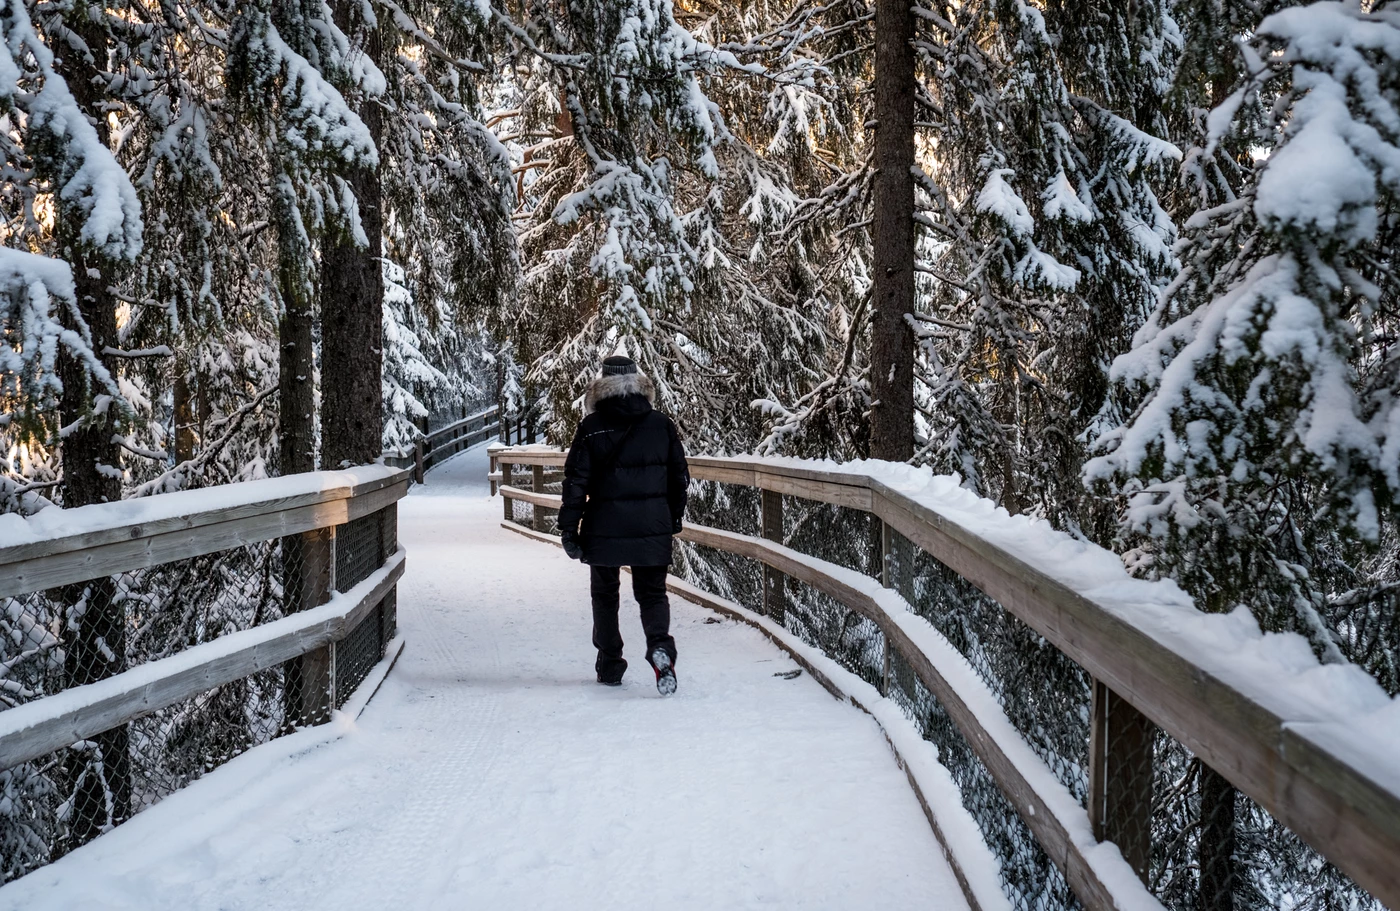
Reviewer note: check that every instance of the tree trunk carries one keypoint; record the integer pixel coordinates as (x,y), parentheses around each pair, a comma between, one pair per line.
(186,419)
(891,337)
(296,367)
(352,302)
(98,771)
(305,568)
(1216,853)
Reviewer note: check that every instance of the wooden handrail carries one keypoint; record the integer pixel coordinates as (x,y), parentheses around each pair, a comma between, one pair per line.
(1312,783)
(179,529)
(547,500)
(305,514)
(453,428)
(37,728)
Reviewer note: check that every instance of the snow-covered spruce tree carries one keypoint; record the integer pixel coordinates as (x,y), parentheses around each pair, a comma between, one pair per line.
(352,275)
(447,195)
(611,88)
(773,314)
(64,153)
(1260,449)
(409,375)
(1260,456)
(197,299)
(282,53)
(1045,237)
(802,186)
(1118,62)
(776,312)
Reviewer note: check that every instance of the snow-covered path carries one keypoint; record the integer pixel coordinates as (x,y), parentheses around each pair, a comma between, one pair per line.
(491,772)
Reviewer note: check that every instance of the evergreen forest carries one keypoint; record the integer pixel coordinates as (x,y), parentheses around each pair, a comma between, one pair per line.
(1128,267)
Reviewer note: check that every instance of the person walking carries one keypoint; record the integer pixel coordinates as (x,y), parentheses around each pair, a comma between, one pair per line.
(625,487)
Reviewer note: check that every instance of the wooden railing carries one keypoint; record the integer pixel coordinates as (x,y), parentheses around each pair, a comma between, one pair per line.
(1322,786)
(325,545)
(447,441)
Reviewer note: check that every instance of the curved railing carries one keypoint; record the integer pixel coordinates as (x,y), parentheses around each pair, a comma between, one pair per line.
(1151,685)
(445,442)
(148,641)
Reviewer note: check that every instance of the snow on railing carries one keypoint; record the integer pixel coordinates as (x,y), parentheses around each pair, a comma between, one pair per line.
(147,641)
(1083,713)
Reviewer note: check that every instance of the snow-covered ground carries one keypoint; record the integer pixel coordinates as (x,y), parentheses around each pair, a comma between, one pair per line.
(491,772)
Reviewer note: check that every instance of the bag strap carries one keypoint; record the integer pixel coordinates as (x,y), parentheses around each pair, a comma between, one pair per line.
(610,460)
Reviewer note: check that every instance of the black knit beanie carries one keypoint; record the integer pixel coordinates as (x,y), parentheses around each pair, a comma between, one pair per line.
(618,366)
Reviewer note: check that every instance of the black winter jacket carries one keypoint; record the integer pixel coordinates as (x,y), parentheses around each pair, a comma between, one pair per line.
(626,516)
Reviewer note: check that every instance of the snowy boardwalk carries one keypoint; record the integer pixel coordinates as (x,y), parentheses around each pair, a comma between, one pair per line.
(491,772)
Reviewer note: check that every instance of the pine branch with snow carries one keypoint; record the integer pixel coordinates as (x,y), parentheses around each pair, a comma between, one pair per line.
(1262,435)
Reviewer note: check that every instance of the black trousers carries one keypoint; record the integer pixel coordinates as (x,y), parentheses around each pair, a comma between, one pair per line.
(649,587)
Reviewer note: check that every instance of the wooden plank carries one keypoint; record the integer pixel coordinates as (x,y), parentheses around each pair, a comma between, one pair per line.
(549,457)
(541,536)
(189,676)
(443,449)
(139,552)
(546,500)
(376,500)
(537,486)
(457,428)
(399,477)
(821,491)
(774,584)
(1120,777)
(720,474)
(77,558)
(19,553)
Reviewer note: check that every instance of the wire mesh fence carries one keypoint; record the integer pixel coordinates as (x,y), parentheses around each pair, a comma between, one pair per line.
(65,799)
(538,480)
(56,639)
(1196,841)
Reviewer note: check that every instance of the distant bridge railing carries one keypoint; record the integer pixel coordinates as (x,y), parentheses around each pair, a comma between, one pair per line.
(1072,705)
(148,641)
(445,442)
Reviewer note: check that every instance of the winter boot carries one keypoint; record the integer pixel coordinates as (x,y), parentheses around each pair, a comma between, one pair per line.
(665,672)
(610,672)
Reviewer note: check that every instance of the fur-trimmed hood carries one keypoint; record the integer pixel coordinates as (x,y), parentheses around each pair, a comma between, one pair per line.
(608,387)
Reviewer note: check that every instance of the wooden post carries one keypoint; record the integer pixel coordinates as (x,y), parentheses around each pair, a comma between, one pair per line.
(886,553)
(492,465)
(418,461)
(308,581)
(886,580)
(389,537)
(1120,777)
(505,482)
(537,485)
(1215,853)
(774,582)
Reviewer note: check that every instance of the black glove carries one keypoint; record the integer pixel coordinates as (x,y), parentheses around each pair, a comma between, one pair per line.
(572,548)
(675,526)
